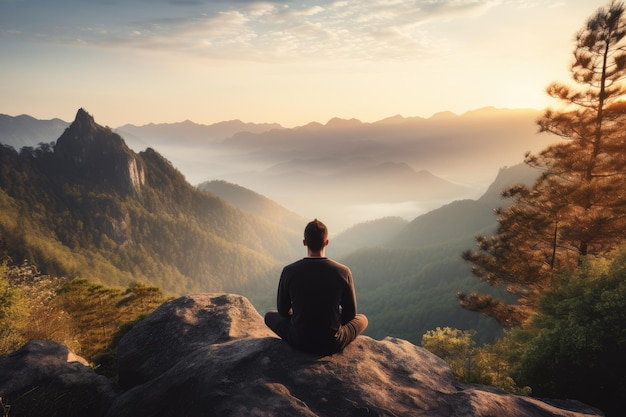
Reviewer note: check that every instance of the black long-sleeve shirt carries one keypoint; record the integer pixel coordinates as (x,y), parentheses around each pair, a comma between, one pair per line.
(319,295)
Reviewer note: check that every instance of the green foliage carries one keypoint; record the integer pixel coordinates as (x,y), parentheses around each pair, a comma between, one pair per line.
(457,347)
(13,314)
(574,346)
(488,364)
(88,318)
(576,207)
(34,314)
(96,313)
(408,291)
(169,234)
(496,364)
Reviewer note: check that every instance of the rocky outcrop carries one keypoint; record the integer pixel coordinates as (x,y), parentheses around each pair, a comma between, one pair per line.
(197,321)
(101,155)
(44,379)
(211,355)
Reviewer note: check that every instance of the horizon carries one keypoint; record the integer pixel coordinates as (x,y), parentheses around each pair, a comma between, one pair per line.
(273,170)
(270,122)
(281,62)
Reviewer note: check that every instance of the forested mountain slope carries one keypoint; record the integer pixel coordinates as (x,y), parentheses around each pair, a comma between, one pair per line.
(408,284)
(353,171)
(463,218)
(90,206)
(367,234)
(255,203)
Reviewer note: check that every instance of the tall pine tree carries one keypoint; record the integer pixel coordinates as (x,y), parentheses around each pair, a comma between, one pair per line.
(577,207)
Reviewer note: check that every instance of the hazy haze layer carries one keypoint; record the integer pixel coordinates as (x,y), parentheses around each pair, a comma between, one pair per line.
(347,171)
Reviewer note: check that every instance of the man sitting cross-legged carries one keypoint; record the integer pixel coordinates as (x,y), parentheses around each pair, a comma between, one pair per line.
(316,300)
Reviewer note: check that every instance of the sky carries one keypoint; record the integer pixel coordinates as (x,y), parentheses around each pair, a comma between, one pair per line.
(282,61)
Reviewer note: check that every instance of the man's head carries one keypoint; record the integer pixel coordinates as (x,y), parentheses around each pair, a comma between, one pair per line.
(315,235)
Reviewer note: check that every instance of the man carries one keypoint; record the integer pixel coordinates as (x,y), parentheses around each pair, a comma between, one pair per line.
(316,300)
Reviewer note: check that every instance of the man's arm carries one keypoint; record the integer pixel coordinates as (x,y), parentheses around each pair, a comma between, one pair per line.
(283,302)
(348,302)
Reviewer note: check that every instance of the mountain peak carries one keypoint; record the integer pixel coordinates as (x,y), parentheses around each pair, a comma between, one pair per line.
(84,122)
(83,129)
(99,154)
(343,123)
(83,117)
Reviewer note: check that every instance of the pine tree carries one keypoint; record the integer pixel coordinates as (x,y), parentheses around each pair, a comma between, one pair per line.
(590,165)
(577,207)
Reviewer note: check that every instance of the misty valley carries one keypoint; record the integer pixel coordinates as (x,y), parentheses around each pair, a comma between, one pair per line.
(96,220)
(347,171)
(400,229)
(487,251)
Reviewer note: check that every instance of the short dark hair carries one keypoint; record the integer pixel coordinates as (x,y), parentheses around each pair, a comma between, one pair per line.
(315,234)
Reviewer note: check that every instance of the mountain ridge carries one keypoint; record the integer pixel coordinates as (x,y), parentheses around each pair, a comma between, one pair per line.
(153,134)
(25,130)
(93,151)
(466,150)
(185,240)
(254,203)
(462,218)
(89,205)
(236,125)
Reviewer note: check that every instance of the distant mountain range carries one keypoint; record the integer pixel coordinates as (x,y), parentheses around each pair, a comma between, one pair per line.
(90,206)
(187,133)
(345,171)
(25,130)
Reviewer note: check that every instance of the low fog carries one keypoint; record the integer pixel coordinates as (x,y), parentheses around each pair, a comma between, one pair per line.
(346,171)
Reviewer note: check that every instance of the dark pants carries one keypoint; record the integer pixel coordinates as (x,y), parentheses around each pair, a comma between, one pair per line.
(344,336)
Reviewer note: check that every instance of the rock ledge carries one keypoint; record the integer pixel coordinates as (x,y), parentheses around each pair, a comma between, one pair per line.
(211,355)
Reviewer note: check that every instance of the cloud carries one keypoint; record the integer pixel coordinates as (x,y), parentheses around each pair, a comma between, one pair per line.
(263,30)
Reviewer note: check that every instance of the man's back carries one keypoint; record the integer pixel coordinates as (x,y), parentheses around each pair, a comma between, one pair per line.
(316,300)
(321,293)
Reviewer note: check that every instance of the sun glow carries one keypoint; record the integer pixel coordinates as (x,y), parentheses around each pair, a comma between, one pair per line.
(290,63)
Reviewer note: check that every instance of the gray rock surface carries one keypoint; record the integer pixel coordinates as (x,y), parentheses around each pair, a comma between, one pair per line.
(181,326)
(211,355)
(46,379)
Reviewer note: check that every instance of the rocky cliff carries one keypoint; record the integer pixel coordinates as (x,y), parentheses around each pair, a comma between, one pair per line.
(211,355)
(101,154)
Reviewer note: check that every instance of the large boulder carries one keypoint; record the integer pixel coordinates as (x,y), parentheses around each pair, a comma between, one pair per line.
(45,379)
(180,327)
(211,355)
